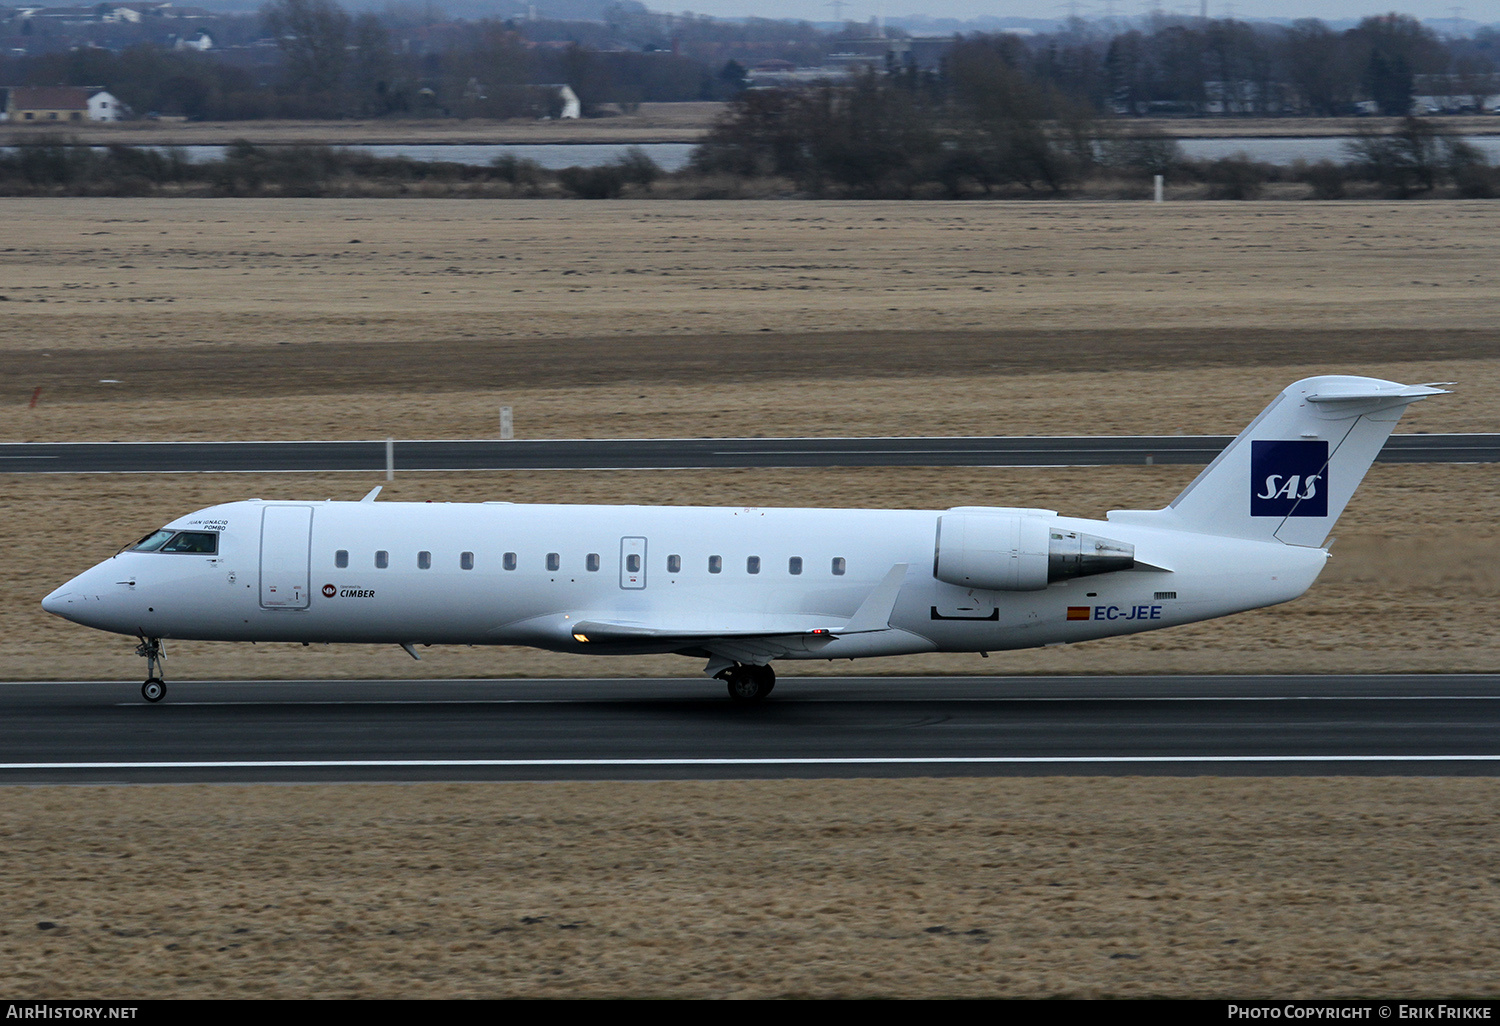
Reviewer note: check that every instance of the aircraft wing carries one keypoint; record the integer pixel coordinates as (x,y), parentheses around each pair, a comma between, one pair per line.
(745,638)
(874,614)
(754,640)
(596,629)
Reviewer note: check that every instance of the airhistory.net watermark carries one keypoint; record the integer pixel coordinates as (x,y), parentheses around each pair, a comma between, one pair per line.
(36,1010)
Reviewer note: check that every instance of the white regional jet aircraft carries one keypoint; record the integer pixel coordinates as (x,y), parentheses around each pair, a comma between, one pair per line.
(743,587)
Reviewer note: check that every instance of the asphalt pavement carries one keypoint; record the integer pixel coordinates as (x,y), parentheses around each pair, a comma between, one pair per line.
(324,731)
(675,453)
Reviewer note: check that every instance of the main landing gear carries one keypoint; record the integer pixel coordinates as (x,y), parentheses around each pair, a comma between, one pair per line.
(748,683)
(155,689)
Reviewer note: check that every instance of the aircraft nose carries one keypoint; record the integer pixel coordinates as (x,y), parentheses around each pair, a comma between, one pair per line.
(58,602)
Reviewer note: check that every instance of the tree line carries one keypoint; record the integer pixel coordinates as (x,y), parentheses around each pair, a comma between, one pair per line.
(868,141)
(316,59)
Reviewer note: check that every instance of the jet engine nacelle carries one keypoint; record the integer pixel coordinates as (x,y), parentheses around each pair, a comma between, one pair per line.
(1017,552)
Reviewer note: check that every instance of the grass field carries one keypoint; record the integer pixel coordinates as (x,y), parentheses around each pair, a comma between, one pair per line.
(650,123)
(362,319)
(345,319)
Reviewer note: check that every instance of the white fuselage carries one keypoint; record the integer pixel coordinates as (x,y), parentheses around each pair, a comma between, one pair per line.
(498,573)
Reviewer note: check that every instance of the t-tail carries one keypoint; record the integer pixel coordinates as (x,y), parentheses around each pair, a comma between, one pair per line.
(1289,475)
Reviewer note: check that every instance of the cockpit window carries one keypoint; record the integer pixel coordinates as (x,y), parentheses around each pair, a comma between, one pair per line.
(152,541)
(204,543)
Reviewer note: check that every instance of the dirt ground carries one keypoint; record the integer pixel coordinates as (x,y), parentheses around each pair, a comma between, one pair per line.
(275,319)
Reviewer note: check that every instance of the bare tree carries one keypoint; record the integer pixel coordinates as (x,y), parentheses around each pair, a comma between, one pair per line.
(313,36)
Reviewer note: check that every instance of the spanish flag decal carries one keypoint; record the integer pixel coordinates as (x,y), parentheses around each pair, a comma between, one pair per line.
(1078,612)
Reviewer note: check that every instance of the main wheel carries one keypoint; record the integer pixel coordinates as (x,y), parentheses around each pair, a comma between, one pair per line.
(750,683)
(154,689)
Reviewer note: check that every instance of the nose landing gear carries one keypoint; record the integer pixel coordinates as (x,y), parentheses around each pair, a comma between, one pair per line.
(155,689)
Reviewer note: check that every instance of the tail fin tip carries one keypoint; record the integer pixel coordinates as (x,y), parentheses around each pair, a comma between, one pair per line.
(1291,472)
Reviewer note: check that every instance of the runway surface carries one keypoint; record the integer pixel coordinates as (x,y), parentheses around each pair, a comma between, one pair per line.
(690,453)
(323,731)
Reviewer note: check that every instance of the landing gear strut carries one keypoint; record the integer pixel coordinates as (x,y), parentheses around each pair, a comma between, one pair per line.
(748,683)
(155,689)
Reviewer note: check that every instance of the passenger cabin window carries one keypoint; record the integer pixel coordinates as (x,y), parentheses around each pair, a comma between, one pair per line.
(591,561)
(424,561)
(674,564)
(382,559)
(715,564)
(341,558)
(794,565)
(752,564)
(554,561)
(633,563)
(508,561)
(466,560)
(838,566)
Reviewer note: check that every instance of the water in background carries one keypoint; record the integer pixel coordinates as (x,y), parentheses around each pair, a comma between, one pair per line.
(1285,151)
(668,156)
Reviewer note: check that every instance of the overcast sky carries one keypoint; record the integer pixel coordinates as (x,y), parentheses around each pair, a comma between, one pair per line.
(1485,11)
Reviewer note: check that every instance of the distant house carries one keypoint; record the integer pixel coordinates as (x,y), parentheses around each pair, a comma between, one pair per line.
(104,107)
(199,41)
(59,103)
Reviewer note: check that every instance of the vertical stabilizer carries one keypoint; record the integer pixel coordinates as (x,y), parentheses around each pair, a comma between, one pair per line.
(1290,474)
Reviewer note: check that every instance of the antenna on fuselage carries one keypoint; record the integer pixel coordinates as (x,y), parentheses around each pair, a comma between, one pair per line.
(370,495)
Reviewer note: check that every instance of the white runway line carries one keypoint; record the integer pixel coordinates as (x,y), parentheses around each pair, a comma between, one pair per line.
(870,761)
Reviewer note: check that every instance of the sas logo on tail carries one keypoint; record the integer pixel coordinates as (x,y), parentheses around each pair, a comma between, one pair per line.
(1289,479)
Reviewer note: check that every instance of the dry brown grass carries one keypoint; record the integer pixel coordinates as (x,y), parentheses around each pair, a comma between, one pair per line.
(645,319)
(271,319)
(81,273)
(265,318)
(902,888)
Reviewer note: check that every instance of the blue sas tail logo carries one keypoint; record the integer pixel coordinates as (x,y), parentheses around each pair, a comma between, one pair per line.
(1289,479)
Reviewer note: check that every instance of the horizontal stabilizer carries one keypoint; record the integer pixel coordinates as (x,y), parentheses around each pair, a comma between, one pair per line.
(1347,390)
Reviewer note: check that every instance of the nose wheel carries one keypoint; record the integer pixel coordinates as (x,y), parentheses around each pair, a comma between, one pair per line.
(155,689)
